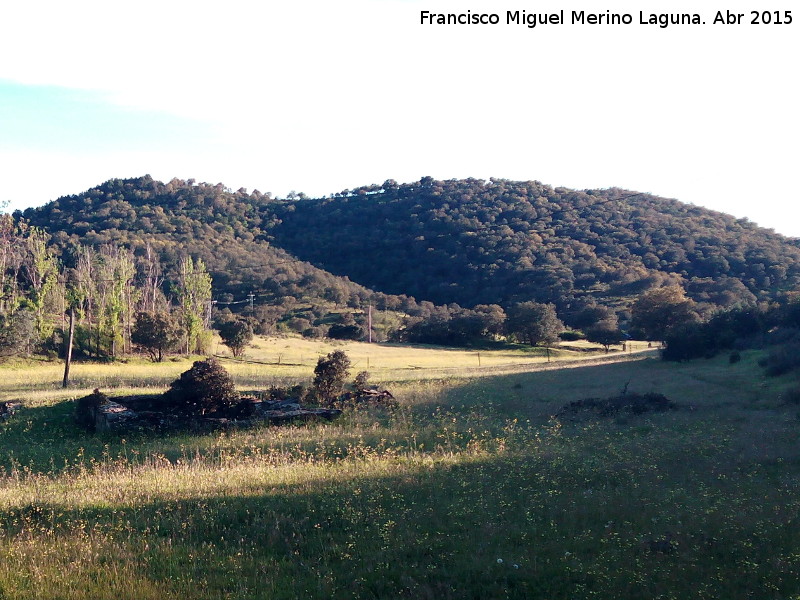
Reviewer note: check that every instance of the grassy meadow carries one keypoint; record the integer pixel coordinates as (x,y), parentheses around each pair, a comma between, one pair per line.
(471,489)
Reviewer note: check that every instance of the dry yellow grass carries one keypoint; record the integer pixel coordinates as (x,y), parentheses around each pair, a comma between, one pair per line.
(270,361)
(296,357)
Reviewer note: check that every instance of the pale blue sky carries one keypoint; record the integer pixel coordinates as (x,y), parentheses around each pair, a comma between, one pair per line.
(319,96)
(47,118)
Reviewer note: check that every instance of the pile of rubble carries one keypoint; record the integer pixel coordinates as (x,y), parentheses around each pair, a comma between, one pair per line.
(204,398)
(100,413)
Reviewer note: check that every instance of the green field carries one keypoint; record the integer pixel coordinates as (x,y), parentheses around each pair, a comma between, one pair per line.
(469,490)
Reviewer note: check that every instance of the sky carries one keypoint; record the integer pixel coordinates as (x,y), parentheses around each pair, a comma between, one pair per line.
(317,96)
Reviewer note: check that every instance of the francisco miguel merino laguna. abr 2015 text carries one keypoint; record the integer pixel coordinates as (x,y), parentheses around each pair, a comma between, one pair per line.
(582,17)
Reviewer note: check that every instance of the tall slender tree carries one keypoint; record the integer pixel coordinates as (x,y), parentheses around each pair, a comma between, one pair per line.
(40,268)
(194,295)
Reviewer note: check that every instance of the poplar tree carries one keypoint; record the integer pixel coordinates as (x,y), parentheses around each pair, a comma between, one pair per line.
(40,268)
(10,264)
(86,291)
(194,295)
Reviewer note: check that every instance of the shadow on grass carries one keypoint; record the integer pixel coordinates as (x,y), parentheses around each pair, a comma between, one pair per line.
(510,526)
(46,439)
(433,533)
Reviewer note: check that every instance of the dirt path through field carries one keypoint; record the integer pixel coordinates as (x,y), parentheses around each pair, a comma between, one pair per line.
(530,367)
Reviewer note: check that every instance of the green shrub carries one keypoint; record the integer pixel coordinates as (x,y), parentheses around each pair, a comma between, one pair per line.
(204,389)
(330,375)
(570,335)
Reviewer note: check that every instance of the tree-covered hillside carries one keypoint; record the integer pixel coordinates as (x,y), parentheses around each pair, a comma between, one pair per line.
(223,228)
(470,242)
(480,242)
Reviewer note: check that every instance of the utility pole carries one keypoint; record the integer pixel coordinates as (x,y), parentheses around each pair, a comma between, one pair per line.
(369,322)
(68,361)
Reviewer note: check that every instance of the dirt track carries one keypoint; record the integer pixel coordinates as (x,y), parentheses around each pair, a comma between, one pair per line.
(530,367)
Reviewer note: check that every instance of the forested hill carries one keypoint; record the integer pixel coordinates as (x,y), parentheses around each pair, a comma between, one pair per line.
(225,229)
(478,242)
(465,241)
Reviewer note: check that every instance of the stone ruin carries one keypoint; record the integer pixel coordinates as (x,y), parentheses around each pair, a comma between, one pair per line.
(203,398)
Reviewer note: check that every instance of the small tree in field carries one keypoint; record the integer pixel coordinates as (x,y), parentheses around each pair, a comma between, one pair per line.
(156,333)
(534,323)
(236,335)
(605,333)
(330,375)
(658,312)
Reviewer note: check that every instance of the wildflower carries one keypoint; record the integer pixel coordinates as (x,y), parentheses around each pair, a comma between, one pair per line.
(499,561)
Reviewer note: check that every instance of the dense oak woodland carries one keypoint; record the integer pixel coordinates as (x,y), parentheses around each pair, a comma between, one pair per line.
(457,256)
(480,242)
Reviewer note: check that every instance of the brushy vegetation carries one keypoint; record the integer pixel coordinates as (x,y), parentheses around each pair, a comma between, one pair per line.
(205,388)
(469,489)
(634,404)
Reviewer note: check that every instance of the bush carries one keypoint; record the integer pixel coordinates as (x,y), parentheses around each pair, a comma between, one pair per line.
(360,382)
(689,342)
(330,375)
(339,331)
(297,324)
(781,360)
(315,333)
(204,340)
(204,389)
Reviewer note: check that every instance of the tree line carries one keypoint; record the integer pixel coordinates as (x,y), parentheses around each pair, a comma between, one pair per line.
(123,302)
(470,242)
(115,297)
